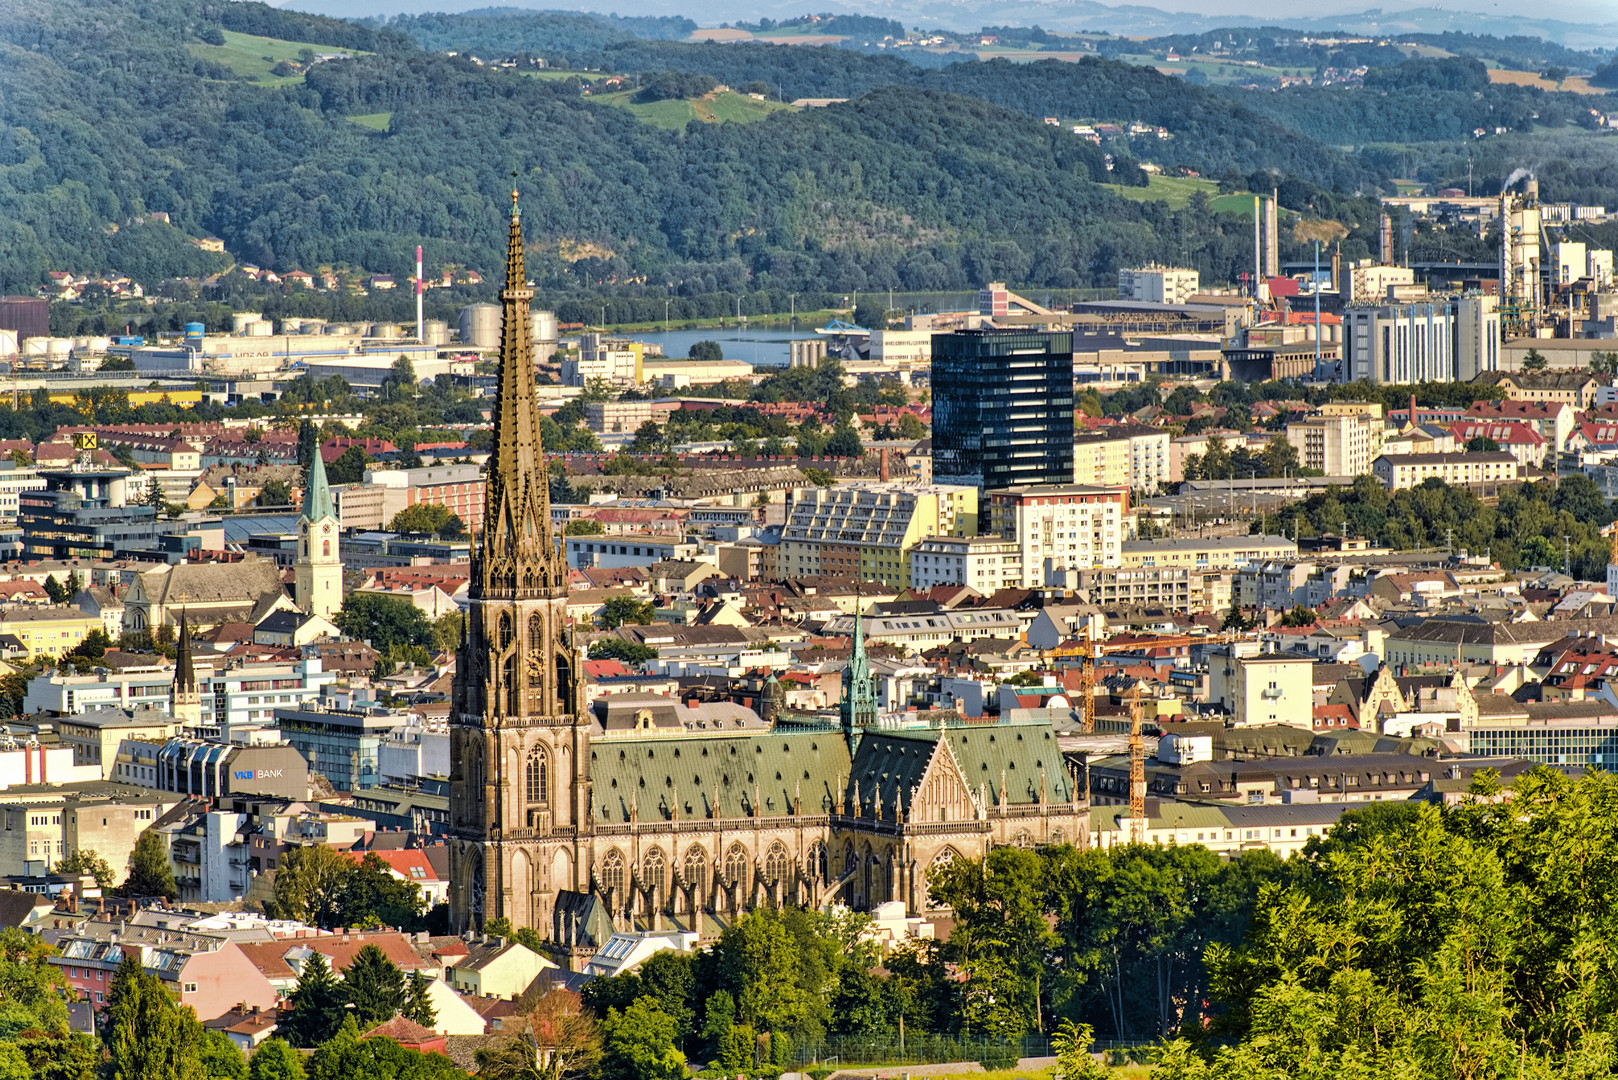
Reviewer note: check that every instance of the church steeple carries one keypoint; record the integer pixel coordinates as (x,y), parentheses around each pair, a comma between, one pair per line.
(518,727)
(857,707)
(186,700)
(317,573)
(317,502)
(516,553)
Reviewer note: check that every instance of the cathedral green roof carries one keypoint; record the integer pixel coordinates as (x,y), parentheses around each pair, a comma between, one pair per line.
(664,776)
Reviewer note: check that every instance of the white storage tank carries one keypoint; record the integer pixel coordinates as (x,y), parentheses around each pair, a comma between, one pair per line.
(480,326)
(262,328)
(386,330)
(436,331)
(544,324)
(59,347)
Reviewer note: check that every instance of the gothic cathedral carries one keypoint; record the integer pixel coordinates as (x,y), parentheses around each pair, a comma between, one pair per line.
(518,778)
(643,812)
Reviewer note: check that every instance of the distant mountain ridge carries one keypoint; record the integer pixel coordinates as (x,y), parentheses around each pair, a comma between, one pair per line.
(965,15)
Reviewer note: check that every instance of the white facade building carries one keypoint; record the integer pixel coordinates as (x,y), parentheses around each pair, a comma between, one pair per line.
(1437,340)
(1158,284)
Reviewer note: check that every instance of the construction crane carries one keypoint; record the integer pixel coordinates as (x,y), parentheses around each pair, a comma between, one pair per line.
(1137,771)
(1088,650)
(1087,687)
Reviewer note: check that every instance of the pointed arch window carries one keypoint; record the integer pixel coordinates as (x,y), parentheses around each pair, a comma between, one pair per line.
(696,868)
(513,692)
(736,865)
(817,861)
(505,630)
(656,875)
(612,873)
(777,864)
(538,776)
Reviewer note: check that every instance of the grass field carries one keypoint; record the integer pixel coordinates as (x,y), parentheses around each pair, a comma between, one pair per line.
(1174,190)
(376,121)
(1177,192)
(1576,84)
(255,57)
(557,73)
(725,108)
(1217,71)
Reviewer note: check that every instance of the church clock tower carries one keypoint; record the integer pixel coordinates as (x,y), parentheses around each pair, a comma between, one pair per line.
(518,733)
(317,575)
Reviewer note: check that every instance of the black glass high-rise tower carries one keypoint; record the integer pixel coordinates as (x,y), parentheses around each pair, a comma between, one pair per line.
(1003,408)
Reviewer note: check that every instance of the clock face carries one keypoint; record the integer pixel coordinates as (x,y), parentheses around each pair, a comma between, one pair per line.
(326,528)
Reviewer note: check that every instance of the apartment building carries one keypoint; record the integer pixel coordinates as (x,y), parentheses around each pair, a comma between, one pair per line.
(1207,553)
(618,361)
(1262,688)
(1399,471)
(1337,443)
(1132,455)
(234,693)
(985,563)
(1060,528)
(871,529)
(625,417)
(629,549)
(40,826)
(457,488)
(47,631)
(1554,420)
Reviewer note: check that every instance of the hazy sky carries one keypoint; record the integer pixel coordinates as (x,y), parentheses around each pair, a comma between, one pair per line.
(1597,11)
(711,12)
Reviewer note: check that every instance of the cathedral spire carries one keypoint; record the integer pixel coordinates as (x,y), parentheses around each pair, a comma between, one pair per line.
(516,547)
(857,709)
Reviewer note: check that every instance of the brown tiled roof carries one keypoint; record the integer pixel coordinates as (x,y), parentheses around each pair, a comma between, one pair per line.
(403,1030)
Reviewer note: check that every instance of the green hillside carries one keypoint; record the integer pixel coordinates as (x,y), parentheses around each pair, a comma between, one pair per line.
(255,57)
(722,107)
(925,180)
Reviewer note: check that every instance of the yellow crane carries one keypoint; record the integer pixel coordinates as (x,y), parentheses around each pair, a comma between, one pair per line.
(1137,770)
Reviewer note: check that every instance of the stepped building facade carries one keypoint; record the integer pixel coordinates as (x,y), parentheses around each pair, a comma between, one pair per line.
(644,812)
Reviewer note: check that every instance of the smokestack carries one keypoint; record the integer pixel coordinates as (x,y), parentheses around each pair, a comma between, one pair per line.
(882,468)
(421,286)
(1272,235)
(1386,236)
(1261,288)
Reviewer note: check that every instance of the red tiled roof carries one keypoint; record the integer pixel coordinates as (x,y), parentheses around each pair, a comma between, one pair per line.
(410,863)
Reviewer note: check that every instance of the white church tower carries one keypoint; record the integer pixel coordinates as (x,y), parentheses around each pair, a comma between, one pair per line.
(318,573)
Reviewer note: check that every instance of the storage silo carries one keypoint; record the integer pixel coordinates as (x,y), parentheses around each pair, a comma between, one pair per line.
(544,334)
(480,326)
(436,332)
(194,332)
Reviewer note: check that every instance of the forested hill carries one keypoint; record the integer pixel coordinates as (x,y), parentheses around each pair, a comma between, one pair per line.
(111,110)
